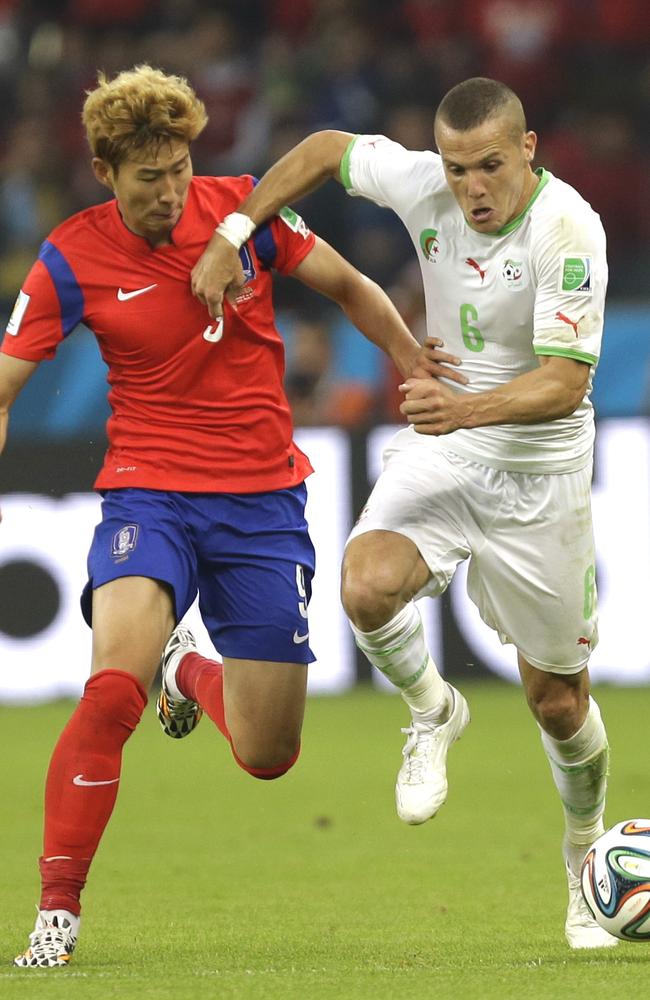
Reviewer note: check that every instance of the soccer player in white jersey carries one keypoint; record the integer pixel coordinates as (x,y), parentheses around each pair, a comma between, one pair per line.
(498,471)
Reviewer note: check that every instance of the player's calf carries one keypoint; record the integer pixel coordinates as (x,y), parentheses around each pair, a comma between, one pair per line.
(267,773)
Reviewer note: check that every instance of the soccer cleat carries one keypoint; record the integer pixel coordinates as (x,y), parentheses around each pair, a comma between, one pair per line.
(178,716)
(52,941)
(581,929)
(422,780)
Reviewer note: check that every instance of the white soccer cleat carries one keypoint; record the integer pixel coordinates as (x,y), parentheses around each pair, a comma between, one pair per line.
(178,716)
(581,929)
(422,780)
(52,941)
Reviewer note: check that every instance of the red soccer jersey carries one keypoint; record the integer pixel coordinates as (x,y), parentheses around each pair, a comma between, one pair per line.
(195,406)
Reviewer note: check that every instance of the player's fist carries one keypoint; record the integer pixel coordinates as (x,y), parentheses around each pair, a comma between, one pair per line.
(430,406)
(218,273)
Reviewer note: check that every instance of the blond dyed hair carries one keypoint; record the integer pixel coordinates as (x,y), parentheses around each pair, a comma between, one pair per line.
(139,110)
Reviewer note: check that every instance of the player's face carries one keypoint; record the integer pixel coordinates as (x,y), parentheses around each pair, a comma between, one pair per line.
(150,191)
(488,169)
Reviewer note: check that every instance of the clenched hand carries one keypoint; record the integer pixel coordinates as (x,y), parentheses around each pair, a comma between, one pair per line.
(431,406)
(217,274)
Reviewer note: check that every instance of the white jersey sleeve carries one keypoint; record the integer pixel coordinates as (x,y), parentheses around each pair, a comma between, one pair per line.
(381,170)
(568,258)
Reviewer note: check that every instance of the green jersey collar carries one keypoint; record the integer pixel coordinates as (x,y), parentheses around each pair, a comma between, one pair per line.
(544,177)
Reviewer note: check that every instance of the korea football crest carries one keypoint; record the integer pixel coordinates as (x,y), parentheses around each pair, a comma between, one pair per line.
(124,542)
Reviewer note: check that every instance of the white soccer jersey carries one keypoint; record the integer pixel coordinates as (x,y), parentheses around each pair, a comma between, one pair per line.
(537,287)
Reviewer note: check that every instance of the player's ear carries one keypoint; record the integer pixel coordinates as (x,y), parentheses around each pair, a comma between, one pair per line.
(530,144)
(103,172)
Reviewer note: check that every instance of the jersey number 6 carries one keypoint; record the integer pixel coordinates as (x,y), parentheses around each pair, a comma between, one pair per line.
(472,336)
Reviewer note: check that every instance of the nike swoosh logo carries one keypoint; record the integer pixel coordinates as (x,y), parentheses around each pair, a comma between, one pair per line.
(125,296)
(80,780)
(300,638)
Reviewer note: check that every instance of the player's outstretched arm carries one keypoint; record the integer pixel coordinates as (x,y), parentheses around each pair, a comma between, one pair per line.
(14,373)
(370,309)
(552,391)
(303,169)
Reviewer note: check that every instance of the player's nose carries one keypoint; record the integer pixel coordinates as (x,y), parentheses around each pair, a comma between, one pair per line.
(166,192)
(475,185)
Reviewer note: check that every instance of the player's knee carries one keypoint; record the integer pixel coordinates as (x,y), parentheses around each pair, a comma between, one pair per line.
(370,595)
(114,698)
(268,766)
(560,713)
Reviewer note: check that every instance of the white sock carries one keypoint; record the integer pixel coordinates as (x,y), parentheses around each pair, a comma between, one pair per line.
(399,651)
(579,766)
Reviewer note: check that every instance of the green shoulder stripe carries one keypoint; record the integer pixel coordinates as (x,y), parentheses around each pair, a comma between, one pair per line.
(566,352)
(345,164)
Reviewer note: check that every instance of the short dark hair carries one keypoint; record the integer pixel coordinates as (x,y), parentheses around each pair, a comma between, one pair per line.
(473,101)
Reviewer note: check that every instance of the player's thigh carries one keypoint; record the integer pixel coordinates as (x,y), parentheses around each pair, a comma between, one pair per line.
(264,706)
(533,580)
(133,618)
(141,579)
(420,497)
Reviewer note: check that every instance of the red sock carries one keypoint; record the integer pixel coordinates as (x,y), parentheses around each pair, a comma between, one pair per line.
(201,680)
(82,783)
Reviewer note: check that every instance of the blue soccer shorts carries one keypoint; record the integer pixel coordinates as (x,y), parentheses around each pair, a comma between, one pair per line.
(249,556)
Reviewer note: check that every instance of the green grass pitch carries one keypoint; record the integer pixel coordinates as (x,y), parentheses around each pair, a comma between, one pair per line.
(209,884)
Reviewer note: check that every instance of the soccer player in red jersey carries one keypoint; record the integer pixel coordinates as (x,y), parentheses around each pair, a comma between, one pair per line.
(202,485)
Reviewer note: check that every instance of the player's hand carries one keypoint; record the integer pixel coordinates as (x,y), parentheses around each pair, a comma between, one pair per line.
(430,406)
(217,274)
(433,362)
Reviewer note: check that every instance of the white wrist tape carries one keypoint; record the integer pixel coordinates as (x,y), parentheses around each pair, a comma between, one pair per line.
(236,228)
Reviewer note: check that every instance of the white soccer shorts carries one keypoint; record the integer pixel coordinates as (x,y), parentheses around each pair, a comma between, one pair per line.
(528,538)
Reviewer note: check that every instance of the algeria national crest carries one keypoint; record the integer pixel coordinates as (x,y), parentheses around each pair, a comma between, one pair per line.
(431,246)
(514,273)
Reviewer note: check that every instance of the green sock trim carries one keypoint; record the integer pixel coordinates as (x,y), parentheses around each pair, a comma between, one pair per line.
(406,683)
(585,766)
(377,653)
(586,810)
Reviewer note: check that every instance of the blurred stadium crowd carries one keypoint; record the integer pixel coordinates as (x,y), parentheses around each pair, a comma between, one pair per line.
(271,71)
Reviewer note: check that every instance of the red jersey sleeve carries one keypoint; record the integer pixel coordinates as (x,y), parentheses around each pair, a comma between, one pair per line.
(293,239)
(36,326)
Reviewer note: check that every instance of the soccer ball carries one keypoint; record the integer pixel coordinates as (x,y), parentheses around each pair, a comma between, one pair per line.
(615,879)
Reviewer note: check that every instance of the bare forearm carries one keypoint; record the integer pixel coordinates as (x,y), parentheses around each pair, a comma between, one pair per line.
(14,373)
(550,392)
(301,170)
(376,317)
(533,398)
